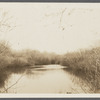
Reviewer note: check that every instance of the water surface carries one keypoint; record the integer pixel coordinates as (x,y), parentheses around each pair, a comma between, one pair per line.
(44,79)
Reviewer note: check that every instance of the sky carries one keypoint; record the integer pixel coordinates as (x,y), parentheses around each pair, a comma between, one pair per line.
(52,27)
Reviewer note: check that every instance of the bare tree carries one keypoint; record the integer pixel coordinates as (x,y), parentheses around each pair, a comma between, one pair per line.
(6,25)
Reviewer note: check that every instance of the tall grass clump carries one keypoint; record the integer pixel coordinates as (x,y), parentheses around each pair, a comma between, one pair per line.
(85,64)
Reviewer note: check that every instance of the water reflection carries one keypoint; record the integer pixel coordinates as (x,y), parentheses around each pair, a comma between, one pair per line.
(5,74)
(40,79)
(3,77)
(79,80)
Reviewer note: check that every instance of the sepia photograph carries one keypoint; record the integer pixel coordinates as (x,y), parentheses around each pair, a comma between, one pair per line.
(49,48)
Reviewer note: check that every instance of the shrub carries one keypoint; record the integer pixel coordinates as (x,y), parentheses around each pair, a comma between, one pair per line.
(85,64)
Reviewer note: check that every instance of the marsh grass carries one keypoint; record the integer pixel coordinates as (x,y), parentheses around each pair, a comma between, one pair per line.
(85,64)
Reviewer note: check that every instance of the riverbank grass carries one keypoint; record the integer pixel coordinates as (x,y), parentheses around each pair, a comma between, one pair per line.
(85,64)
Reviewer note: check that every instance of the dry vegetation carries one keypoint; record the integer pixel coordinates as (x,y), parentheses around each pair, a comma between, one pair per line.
(18,62)
(10,58)
(86,65)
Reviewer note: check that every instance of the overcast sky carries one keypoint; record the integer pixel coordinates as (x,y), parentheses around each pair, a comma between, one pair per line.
(53,27)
